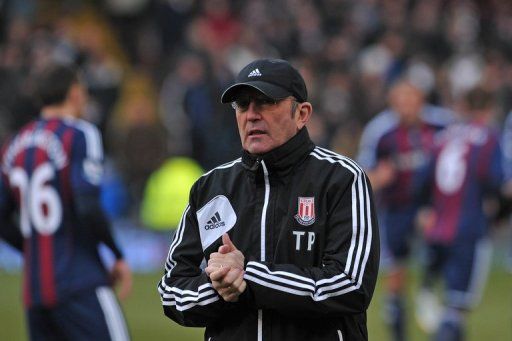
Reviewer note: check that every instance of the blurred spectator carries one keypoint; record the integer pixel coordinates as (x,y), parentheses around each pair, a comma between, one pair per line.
(197,123)
(129,18)
(138,139)
(216,25)
(172,17)
(102,70)
(172,97)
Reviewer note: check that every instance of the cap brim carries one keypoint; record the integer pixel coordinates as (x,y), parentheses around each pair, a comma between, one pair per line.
(268,89)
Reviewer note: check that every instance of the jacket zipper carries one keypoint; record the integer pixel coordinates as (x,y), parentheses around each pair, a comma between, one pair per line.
(262,239)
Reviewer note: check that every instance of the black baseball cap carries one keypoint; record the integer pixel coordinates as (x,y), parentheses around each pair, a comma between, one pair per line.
(276,78)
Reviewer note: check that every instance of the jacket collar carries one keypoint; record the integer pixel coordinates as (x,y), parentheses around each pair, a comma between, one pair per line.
(282,159)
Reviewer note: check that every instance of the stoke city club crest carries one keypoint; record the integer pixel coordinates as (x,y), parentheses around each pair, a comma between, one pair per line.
(305,211)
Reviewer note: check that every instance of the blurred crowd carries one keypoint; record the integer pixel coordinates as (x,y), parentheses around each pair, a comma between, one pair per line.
(155,69)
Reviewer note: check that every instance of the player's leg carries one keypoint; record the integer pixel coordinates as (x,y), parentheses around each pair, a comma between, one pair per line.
(435,258)
(395,301)
(41,326)
(466,274)
(428,308)
(397,233)
(95,314)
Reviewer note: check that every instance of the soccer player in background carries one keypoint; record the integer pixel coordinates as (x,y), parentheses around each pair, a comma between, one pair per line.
(465,173)
(394,150)
(506,208)
(50,176)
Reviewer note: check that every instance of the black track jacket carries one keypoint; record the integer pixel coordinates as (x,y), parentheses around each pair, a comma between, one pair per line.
(304,219)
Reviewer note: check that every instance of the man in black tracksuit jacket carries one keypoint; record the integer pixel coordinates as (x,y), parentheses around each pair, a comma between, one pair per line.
(281,244)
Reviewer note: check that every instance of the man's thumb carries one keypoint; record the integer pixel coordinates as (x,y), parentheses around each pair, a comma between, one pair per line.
(227,241)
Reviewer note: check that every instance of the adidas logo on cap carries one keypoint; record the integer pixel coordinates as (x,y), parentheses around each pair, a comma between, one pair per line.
(254,73)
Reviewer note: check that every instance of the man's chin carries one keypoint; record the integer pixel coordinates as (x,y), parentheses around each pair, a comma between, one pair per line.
(258,149)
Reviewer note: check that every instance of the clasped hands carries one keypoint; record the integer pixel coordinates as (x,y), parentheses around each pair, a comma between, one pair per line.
(226,270)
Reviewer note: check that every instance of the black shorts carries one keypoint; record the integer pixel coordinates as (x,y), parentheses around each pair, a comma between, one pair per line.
(397,233)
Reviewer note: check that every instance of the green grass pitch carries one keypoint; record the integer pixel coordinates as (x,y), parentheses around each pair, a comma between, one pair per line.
(492,319)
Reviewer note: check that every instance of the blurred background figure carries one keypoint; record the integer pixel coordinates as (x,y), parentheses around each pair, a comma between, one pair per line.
(196,123)
(465,174)
(50,179)
(395,149)
(167,192)
(137,139)
(506,194)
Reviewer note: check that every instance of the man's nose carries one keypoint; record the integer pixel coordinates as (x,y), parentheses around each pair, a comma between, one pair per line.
(253,112)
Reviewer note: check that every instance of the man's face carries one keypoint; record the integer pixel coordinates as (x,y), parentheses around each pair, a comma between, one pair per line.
(407,101)
(264,124)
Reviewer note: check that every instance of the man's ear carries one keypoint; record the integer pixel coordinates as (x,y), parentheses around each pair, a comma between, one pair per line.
(304,113)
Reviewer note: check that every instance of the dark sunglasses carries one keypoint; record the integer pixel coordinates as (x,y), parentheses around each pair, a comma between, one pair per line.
(242,102)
